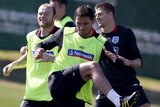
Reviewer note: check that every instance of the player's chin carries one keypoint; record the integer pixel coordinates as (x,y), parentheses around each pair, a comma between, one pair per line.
(43,25)
(100,24)
(82,32)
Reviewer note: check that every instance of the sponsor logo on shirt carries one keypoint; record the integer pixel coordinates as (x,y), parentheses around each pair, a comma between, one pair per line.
(81,54)
(115,39)
(47,52)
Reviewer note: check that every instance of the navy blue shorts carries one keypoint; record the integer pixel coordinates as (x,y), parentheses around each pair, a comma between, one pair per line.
(105,102)
(64,85)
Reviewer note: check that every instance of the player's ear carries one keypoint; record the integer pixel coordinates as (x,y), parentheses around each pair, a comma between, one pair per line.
(93,21)
(63,6)
(111,14)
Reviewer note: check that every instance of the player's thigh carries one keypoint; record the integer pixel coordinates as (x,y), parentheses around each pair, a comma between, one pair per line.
(87,69)
(65,83)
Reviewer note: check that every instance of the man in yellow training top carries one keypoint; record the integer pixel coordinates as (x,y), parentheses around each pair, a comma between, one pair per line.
(76,65)
(36,91)
(62,19)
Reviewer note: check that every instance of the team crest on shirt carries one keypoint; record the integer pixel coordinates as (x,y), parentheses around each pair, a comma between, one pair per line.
(116,49)
(115,39)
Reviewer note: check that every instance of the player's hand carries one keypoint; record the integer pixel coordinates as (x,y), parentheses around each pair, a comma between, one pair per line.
(46,58)
(7,70)
(126,61)
(111,55)
(39,53)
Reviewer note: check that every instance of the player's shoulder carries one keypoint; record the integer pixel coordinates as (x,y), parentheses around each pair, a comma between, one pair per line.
(30,34)
(68,30)
(101,38)
(124,28)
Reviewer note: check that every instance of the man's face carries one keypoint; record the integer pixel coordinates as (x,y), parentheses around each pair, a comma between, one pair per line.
(84,26)
(58,8)
(102,17)
(45,16)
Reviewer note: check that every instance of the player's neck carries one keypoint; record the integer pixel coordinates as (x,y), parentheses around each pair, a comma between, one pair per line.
(109,28)
(61,16)
(45,31)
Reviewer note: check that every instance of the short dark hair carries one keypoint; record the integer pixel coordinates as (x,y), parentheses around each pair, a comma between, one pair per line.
(60,1)
(84,11)
(108,7)
(49,5)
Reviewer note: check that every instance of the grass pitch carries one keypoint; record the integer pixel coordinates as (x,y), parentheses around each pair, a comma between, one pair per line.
(11,94)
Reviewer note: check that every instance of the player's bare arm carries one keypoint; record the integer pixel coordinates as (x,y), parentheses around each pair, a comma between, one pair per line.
(136,63)
(43,57)
(17,64)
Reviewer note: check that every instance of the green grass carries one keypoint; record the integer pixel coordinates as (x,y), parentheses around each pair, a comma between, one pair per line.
(150,83)
(9,55)
(11,94)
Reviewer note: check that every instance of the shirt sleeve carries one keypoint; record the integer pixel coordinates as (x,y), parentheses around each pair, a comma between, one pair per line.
(109,47)
(132,45)
(53,41)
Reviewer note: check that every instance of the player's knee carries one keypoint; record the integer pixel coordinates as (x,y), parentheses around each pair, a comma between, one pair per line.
(89,70)
(93,65)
